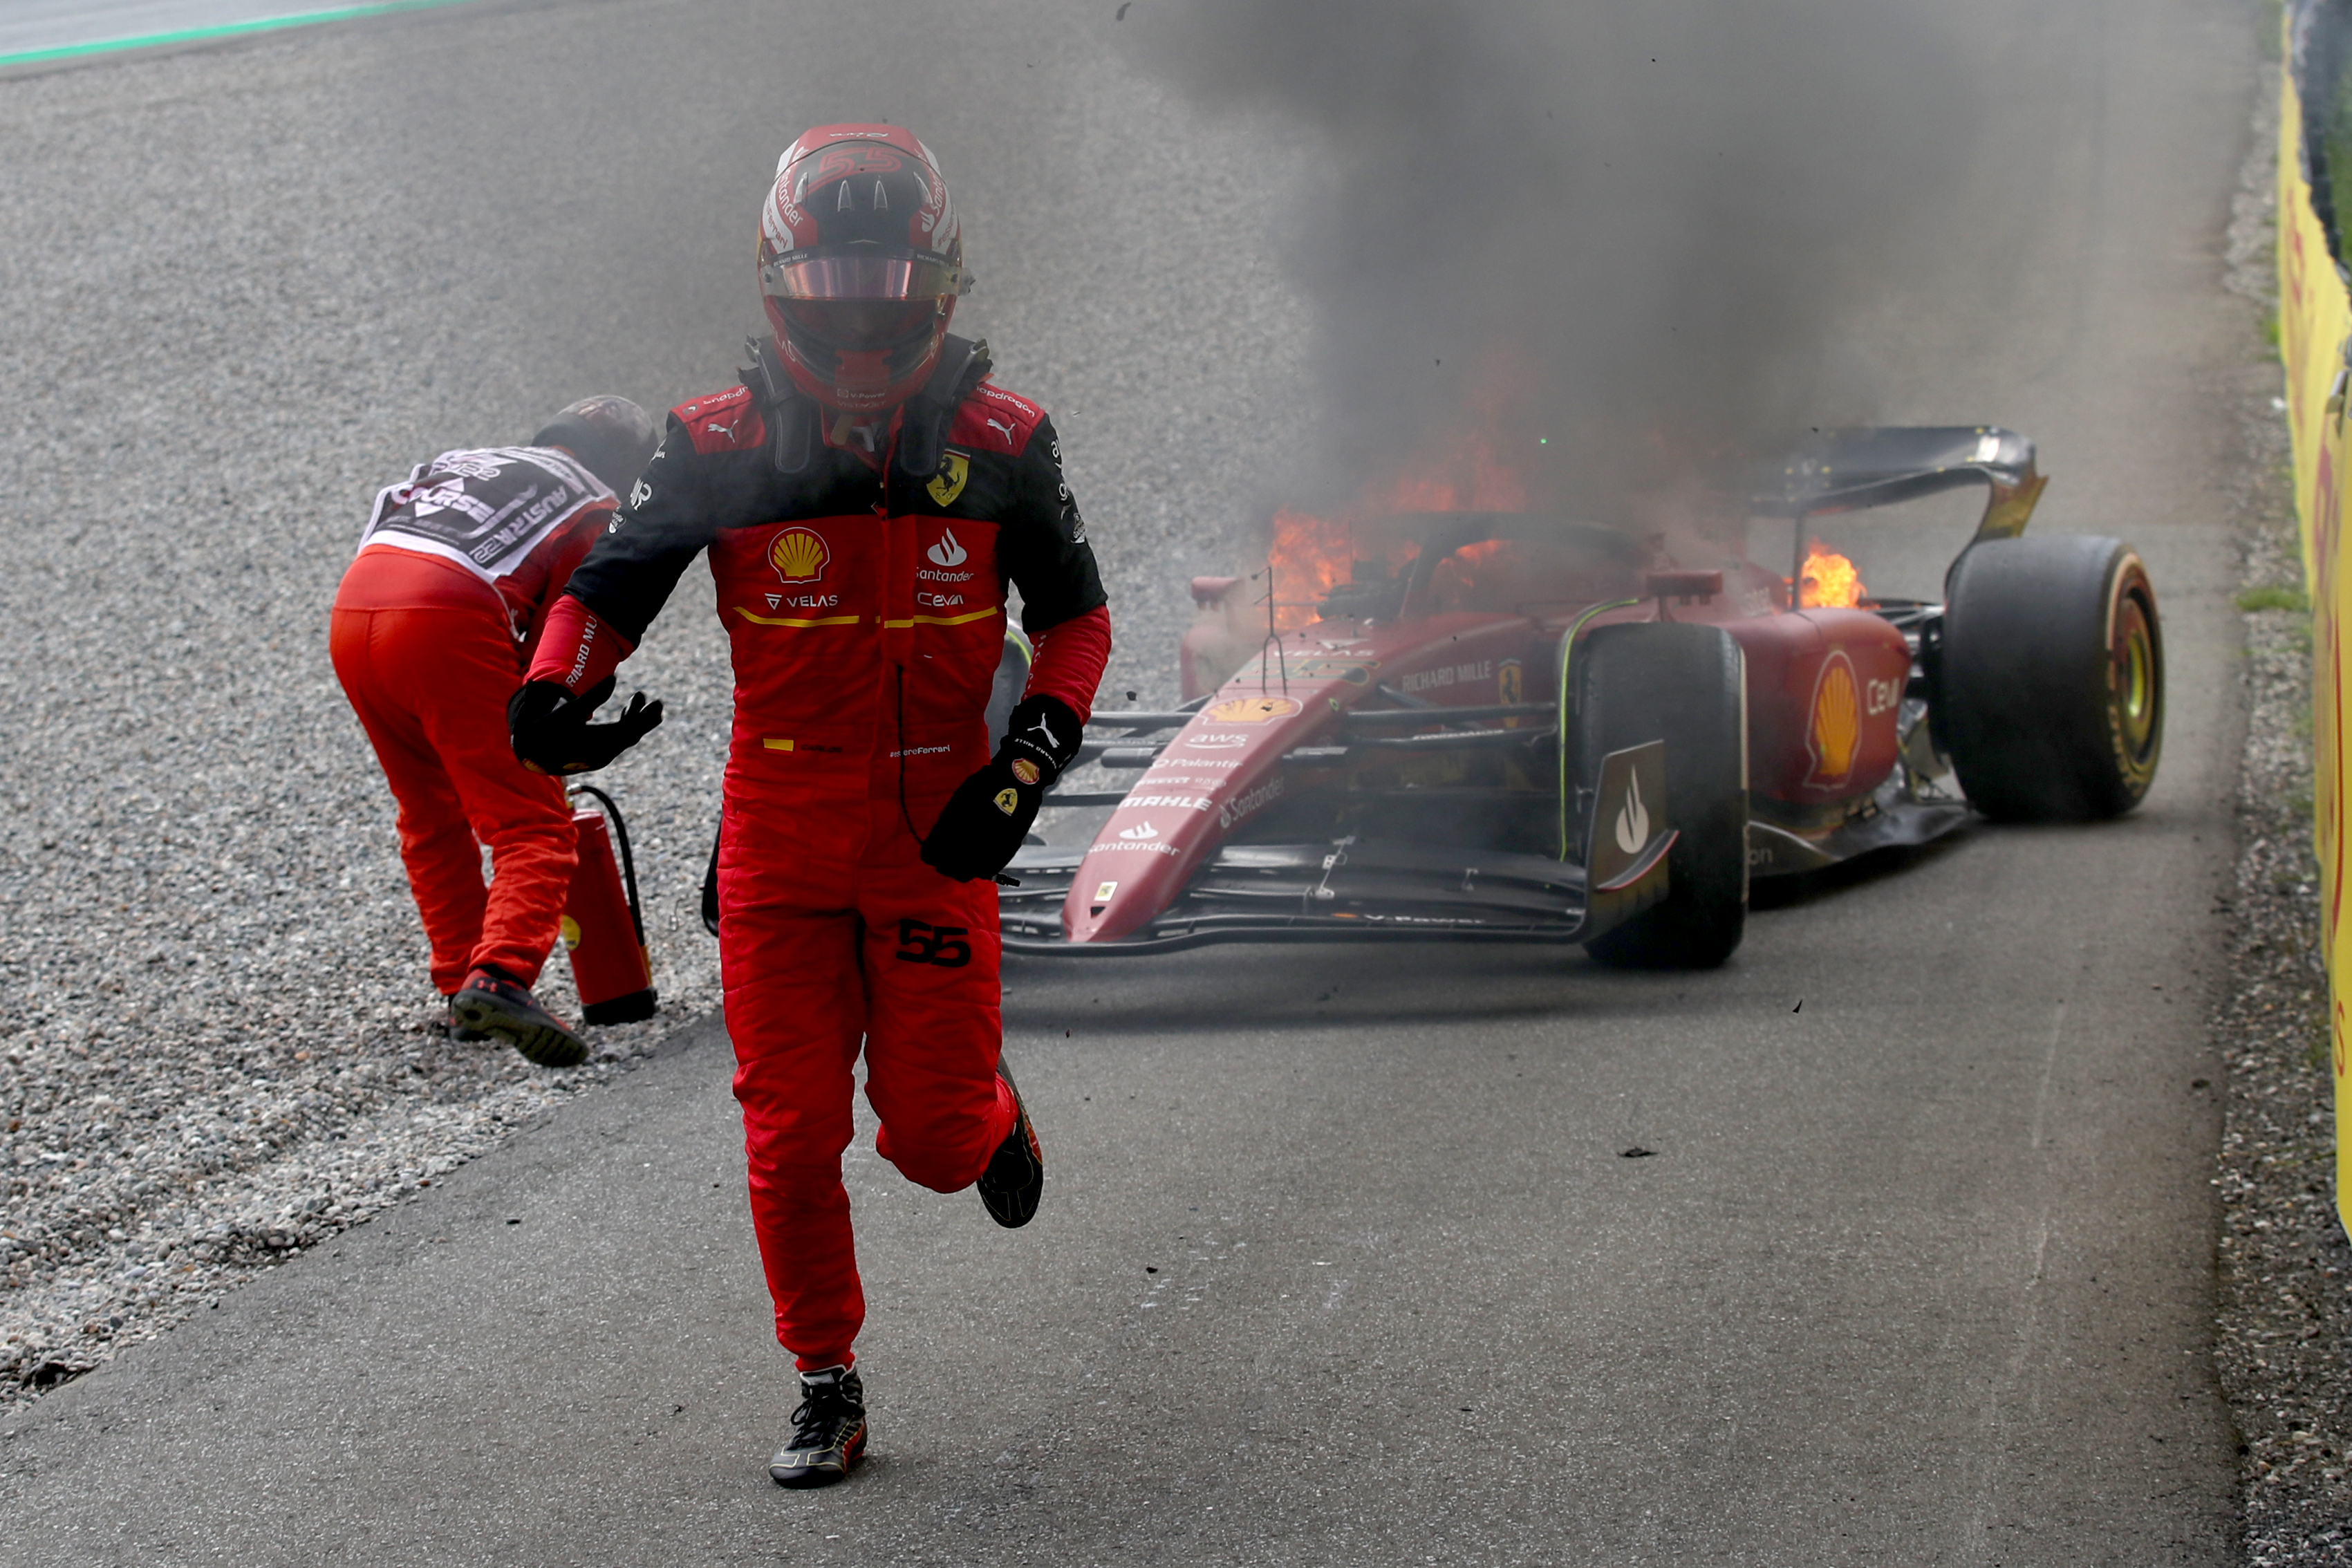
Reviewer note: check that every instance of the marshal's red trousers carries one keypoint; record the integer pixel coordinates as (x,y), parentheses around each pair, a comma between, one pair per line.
(834,935)
(430,686)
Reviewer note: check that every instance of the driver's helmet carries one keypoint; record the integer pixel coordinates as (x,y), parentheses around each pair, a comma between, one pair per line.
(861,259)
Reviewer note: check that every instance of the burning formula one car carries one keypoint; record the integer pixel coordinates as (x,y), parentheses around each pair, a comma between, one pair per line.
(1513,727)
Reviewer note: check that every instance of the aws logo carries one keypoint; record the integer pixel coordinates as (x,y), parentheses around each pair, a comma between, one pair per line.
(798,556)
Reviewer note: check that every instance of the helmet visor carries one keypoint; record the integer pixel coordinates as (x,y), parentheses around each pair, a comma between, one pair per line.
(859,326)
(870,277)
(859,303)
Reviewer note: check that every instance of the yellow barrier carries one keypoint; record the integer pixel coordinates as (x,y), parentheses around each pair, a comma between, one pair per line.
(2316,341)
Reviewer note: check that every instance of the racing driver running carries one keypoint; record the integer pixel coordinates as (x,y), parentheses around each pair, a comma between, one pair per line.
(866,497)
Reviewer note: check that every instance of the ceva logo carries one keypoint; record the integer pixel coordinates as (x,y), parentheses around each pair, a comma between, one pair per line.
(947,551)
(1140,832)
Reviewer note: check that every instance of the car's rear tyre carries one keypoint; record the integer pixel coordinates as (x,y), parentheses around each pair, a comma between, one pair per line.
(2050,687)
(1687,686)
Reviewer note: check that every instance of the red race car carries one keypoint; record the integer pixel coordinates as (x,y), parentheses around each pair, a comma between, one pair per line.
(1512,727)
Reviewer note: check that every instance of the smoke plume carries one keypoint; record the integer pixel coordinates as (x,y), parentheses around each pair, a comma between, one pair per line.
(1624,237)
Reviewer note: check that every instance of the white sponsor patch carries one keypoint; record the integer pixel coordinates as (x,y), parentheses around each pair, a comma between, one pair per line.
(1250,801)
(1476,673)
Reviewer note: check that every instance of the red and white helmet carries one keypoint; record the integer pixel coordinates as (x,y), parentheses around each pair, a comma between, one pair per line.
(861,261)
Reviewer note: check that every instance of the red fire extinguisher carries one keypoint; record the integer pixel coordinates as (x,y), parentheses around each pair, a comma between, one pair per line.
(604,923)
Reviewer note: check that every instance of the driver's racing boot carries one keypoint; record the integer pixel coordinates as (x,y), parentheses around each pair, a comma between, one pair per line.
(828,1431)
(497,1004)
(1015,1177)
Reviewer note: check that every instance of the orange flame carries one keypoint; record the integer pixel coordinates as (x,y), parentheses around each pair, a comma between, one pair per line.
(1310,556)
(1830,583)
(1464,471)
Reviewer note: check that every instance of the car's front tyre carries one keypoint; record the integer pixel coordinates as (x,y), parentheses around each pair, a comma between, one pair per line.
(1687,686)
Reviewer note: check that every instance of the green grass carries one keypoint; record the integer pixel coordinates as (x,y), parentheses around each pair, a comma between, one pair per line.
(2270,333)
(2269,597)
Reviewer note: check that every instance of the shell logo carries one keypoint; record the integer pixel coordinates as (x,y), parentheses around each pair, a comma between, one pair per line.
(798,556)
(571,930)
(1252,710)
(1837,720)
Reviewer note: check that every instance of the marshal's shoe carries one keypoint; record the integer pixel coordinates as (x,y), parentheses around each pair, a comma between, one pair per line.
(450,1026)
(494,1003)
(828,1431)
(1015,1177)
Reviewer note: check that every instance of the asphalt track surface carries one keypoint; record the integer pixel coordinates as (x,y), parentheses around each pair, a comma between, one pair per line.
(1340,1258)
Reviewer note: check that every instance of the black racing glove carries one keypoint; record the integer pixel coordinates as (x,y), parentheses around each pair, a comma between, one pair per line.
(989,816)
(552,734)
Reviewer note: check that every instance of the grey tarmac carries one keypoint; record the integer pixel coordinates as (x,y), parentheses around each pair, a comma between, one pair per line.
(1341,1257)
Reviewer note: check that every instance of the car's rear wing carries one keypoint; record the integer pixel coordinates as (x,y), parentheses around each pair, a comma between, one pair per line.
(1852,470)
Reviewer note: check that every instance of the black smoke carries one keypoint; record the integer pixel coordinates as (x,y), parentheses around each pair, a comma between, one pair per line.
(1643,232)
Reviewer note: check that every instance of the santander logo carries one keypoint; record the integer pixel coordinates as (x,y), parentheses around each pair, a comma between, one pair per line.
(947,551)
(1140,832)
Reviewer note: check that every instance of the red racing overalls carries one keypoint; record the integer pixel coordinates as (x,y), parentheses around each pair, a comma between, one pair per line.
(432,626)
(864,600)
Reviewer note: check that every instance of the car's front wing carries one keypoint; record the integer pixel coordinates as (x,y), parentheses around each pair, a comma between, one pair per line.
(1360,889)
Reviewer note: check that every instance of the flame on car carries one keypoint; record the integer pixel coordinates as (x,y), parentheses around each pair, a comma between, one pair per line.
(1462,470)
(1310,556)
(1830,582)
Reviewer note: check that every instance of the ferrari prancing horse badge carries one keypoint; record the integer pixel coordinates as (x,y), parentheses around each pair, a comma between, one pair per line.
(948,483)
